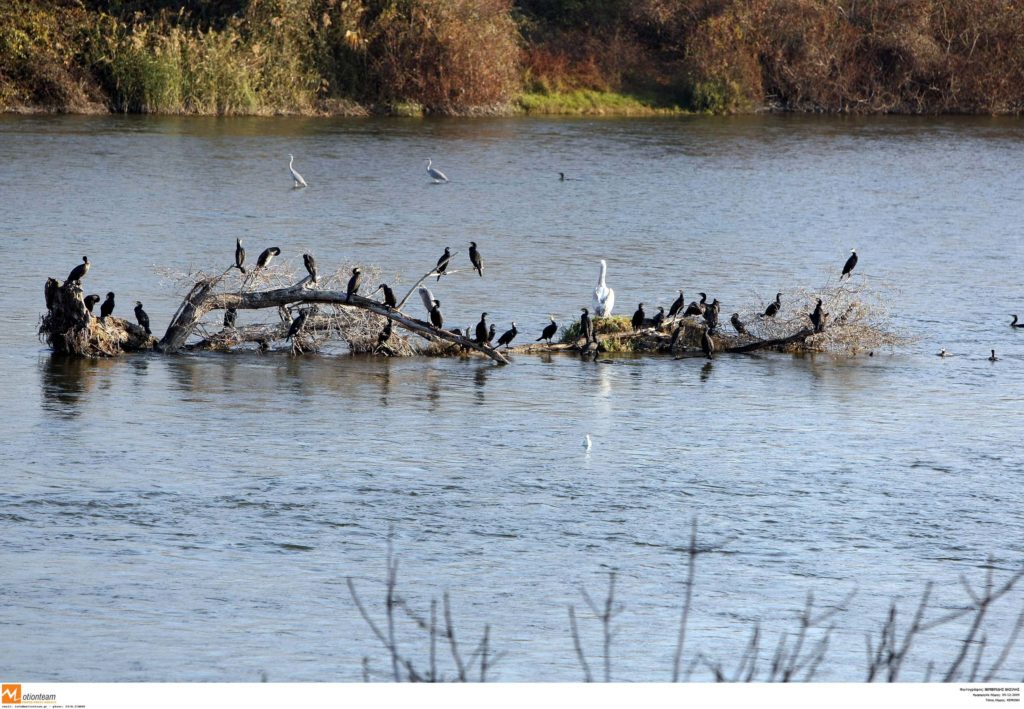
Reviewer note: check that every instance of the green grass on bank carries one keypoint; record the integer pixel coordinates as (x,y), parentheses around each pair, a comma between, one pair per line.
(585,102)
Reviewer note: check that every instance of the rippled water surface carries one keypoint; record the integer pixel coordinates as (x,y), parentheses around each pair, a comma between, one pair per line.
(196,517)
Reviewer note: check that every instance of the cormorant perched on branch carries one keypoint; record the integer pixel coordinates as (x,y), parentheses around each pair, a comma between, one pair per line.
(436,318)
(696,308)
(491,332)
(389,295)
(850,263)
(142,317)
(384,335)
(677,304)
(310,264)
(239,255)
(738,324)
(442,263)
(659,319)
(474,258)
(549,330)
(773,307)
(586,326)
(297,324)
(1015,323)
(90,301)
(816,317)
(230,316)
(509,335)
(481,329)
(108,306)
(267,256)
(354,282)
(707,344)
(638,318)
(711,315)
(79,271)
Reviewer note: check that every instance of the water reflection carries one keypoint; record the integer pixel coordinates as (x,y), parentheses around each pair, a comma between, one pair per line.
(67,380)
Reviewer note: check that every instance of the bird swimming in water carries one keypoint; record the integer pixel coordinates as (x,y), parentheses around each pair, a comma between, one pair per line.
(90,301)
(230,317)
(310,263)
(436,318)
(943,353)
(442,263)
(549,330)
(481,329)
(677,304)
(586,327)
(1014,323)
(297,324)
(108,306)
(711,315)
(239,255)
(474,258)
(773,307)
(509,335)
(992,357)
(435,174)
(707,344)
(604,297)
(142,317)
(659,318)
(817,318)
(389,295)
(354,282)
(638,318)
(267,256)
(850,263)
(587,443)
(79,271)
(738,324)
(696,308)
(296,177)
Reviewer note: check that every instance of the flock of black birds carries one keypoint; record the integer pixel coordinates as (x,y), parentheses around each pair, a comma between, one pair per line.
(107,307)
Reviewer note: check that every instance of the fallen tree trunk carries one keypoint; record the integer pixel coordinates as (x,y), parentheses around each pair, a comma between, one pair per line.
(202,300)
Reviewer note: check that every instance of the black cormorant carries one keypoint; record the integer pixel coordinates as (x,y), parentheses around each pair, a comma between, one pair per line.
(108,306)
(586,326)
(79,271)
(436,318)
(675,337)
(773,307)
(816,317)
(474,258)
(442,263)
(389,295)
(491,332)
(697,308)
(385,334)
(993,357)
(561,177)
(267,256)
(850,263)
(230,317)
(677,304)
(481,329)
(738,324)
(310,263)
(707,344)
(638,318)
(507,336)
(549,331)
(659,319)
(711,315)
(142,317)
(297,324)
(354,283)
(90,301)
(1015,323)
(50,292)
(239,255)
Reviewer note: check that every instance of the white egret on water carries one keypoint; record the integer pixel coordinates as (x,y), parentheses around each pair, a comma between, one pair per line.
(604,297)
(586,442)
(435,174)
(299,182)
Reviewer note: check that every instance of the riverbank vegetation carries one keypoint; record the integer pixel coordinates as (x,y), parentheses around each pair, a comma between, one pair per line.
(468,57)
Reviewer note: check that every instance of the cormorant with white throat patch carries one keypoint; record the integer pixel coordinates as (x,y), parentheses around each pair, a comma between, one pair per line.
(442,263)
(507,336)
(239,255)
(354,282)
(142,317)
(850,263)
(79,271)
(549,330)
(267,256)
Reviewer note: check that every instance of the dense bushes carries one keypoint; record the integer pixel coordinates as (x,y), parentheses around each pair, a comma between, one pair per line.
(464,56)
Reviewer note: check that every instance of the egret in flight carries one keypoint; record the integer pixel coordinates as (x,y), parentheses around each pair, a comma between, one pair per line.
(604,297)
(435,174)
(299,182)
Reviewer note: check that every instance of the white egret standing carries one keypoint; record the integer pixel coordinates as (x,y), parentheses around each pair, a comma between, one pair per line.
(435,174)
(587,443)
(299,182)
(604,297)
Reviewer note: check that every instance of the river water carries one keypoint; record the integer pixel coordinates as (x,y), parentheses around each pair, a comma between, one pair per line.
(196,517)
